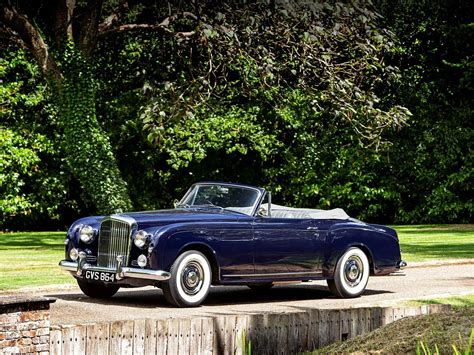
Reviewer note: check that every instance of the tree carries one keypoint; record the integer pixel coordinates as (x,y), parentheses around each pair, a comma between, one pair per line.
(433,156)
(62,36)
(286,94)
(287,97)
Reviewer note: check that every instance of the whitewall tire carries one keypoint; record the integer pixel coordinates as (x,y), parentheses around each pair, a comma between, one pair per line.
(351,274)
(190,280)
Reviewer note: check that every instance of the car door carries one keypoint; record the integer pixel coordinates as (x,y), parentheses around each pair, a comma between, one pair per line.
(233,244)
(288,247)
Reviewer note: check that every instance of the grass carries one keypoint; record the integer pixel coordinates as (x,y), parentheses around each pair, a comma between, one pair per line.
(436,242)
(441,330)
(455,301)
(31,258)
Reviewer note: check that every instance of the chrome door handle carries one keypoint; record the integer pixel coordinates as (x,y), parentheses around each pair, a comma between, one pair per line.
(312,228)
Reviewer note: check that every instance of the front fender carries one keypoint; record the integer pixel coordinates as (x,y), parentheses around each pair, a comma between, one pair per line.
(171,240)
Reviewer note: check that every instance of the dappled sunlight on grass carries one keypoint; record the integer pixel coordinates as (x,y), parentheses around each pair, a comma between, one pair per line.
(436,242)
(31,259)
(32,240)
(457,301)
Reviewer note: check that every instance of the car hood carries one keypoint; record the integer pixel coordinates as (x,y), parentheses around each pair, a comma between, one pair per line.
(162,217)
(153,219)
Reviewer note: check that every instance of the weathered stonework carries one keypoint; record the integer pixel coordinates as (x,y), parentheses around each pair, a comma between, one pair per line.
(24,325)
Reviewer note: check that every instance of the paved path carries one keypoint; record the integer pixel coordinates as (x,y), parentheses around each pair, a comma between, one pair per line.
(72,307)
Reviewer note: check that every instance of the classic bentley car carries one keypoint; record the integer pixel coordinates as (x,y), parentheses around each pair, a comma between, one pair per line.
(226,234)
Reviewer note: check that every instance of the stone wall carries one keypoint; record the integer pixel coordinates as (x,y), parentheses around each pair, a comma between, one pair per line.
(24,325)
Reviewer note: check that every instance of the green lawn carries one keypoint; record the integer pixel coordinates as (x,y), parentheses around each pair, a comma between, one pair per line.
(455,301)
(436,242)
(31,259)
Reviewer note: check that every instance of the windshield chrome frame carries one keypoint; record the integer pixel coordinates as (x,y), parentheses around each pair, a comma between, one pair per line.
(260,194)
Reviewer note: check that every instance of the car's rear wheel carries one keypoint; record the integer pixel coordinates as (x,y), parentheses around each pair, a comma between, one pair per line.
(96,290)
(351,274)
(190,280)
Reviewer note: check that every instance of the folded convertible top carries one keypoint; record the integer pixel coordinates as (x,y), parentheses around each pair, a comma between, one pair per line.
(290,212)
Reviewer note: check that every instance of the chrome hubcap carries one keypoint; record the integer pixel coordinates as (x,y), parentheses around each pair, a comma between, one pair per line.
(192,278)
(353,271)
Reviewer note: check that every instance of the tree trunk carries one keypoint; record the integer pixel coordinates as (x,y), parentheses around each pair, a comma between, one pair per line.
(89,153)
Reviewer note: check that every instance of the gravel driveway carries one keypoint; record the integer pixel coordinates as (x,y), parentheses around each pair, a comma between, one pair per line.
(72,307)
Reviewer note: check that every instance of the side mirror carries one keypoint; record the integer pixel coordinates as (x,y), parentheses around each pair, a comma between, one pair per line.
(175,203)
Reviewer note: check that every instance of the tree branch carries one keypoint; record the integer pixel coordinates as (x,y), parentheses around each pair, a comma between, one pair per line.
(114,16)
(33,40)
(163,25)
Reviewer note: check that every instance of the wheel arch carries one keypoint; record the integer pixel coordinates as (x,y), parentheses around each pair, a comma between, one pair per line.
(362,247)
(369,255)
(209,253)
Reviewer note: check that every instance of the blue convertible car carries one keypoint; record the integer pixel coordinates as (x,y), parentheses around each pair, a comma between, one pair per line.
(227,234)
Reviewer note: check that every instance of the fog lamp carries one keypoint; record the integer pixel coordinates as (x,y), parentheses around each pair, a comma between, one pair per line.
(73,254)
(141,261)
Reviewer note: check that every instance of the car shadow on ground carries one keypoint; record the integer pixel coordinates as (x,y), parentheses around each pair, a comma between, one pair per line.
(218,296)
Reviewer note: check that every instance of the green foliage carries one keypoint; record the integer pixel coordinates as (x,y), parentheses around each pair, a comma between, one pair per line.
(327,104)
(295,105)
(89,153)
(422,348)
(17,160)
(434,154)
(245,345)
(33,184)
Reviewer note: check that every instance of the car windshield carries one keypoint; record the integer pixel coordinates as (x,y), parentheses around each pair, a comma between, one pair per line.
(229,197)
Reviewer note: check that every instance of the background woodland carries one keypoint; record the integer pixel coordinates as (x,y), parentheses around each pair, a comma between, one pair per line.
(116,104)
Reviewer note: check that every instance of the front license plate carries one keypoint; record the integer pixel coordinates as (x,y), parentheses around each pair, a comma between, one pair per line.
(100,276)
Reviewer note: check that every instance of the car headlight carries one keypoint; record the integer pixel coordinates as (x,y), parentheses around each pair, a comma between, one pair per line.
(86,234)
(141,238)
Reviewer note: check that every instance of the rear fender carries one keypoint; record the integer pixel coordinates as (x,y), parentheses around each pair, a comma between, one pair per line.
(382,248)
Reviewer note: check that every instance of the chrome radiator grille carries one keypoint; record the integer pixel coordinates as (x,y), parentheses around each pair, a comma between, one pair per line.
(114,240)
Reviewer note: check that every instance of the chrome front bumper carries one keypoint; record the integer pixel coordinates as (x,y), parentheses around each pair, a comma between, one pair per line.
(120,272)
(401,264)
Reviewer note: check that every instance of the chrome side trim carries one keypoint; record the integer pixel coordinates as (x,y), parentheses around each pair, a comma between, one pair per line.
(135,273)
(309,273)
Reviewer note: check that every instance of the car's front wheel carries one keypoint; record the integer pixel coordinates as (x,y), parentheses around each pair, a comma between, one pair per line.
(351,274)
(190,280)
(97,290)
